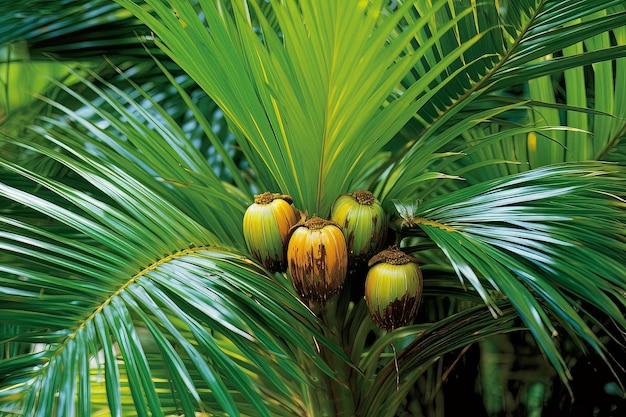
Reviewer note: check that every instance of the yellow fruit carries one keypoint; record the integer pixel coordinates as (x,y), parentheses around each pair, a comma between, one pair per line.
(393,288)
(317,258)
(266,225)
(363,221)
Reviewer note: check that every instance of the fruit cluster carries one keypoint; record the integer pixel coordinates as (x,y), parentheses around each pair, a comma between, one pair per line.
(318,253)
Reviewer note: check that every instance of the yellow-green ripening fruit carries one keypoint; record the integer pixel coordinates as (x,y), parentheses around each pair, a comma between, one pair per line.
(393,288)
(317,258)
(266,226)
(363,221)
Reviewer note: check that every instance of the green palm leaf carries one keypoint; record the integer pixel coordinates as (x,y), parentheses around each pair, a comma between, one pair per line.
(476,101)
(125,286)
(552,26)
(162,155)
(82,32)
(592,111)
(531,239)
(71,30)
(121,273)
(302,108)
(424,346)
(89,297)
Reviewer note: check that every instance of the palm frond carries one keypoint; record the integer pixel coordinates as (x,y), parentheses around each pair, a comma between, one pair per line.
(532,239)
(586,98)
(34,30)
(578,73)
(507,53)
(423,345)
(476,98)
(550,27)
(301,108)
(135,264)
(105,271)
(71,30)
(141,136)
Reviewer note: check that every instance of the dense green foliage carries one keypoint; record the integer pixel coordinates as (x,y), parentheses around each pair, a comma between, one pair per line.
(491,132)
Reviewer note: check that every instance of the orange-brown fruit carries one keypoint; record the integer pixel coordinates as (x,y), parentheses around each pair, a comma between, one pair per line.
(317,259)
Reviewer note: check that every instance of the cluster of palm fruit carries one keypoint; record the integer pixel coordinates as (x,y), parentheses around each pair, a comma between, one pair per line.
(320,253)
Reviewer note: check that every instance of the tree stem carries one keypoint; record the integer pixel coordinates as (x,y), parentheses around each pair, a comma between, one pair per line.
(338,388)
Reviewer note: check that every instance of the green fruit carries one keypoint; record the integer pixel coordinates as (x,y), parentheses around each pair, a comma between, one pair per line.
(266,226)
(363,221)
(393,288)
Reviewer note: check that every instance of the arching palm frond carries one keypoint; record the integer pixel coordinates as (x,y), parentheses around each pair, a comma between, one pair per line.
(125,284)
(533,239)
(512,61)
(384,394)
(130,279)
(136,264)
(543,28)
(71,30)
(590,116)
(35,31)
(141,136)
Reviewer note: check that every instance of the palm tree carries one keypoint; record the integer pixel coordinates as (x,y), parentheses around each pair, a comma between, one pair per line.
(485,130)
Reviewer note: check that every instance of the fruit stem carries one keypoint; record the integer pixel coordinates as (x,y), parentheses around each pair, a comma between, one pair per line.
(364,197)
(268,197)
(316,222)
(342,396)
(393,255)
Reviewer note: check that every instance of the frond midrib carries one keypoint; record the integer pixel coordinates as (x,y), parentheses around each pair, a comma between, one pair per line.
(98,310)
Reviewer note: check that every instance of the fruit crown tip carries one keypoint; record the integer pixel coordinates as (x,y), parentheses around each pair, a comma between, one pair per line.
(392,255)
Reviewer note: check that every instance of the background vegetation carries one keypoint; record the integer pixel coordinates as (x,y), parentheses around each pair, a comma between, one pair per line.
(134,135)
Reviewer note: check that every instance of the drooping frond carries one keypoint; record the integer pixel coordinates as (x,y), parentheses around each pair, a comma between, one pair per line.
(71,30)
(122,268)
(544,240)
(140,137)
